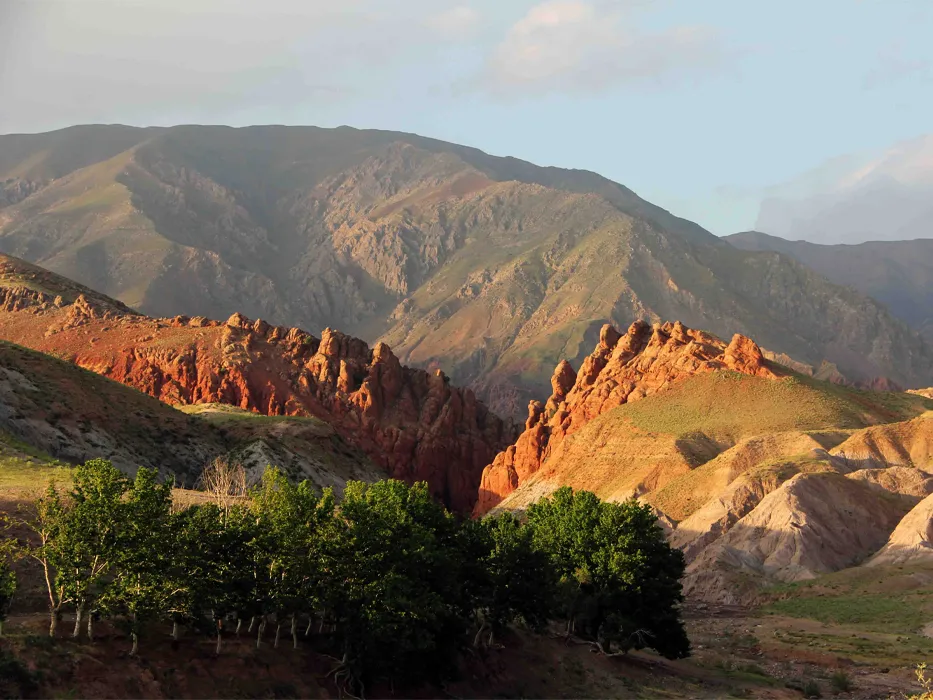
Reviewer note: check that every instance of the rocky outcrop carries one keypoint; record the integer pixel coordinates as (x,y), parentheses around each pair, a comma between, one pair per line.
(19,298)
(411,423)
(13,190)
(622,368)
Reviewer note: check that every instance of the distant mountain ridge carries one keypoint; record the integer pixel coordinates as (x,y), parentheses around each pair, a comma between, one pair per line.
(886,198)
(490,268)
(899,274)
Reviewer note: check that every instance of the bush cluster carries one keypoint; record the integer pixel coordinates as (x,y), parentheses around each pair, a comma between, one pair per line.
(384,578)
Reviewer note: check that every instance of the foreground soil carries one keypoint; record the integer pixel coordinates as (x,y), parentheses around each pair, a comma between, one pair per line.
(736,654)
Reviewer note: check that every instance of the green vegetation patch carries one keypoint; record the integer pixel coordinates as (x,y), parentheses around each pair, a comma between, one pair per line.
(22,466)
(875,611)
(729,405)
(895,600)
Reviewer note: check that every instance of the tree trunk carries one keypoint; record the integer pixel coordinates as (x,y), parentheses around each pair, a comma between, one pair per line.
(79,614)
(90,626)
(278,632)
(1,628)
(479,636)
(175,630)
(294,632)
(217,650)
(53,623)
(135,648)
(308,628)
(252,621)
(262,628)
(239,624)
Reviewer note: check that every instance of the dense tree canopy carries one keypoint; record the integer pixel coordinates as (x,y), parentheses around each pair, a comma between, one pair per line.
(384,579)
(620,577)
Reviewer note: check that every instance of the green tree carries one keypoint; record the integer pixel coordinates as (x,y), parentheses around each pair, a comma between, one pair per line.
(141,587)
(49,524)
(621,578)
(90,538)
(520,583)
(283,514)
(394,591)
(213,566)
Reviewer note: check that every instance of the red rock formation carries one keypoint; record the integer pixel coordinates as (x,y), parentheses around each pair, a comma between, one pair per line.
(622,368)
(19,298)
(412,423)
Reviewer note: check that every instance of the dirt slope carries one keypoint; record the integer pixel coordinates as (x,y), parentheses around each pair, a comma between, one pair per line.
(898,444)
(647,409)
(912,540)
(800,530)
(50,409)
(622,369)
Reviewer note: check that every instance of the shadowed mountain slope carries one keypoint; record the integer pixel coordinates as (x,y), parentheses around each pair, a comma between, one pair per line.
(492,268)
(899,274)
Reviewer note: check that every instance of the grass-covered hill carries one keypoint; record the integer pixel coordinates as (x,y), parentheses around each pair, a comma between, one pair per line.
(665,445)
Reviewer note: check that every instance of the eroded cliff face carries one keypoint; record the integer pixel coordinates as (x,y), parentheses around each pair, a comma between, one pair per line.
(622,368)
(412,423)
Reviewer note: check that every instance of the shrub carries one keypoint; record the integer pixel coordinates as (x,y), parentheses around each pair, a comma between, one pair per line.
(811,689)
(16,681)
(841,682)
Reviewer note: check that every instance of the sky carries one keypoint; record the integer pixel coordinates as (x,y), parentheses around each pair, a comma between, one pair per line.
(705,108)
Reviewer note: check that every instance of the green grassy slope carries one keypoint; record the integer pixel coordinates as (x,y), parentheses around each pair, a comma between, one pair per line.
(728,406)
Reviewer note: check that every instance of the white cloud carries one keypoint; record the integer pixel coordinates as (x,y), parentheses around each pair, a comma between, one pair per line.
(575,45)
(456,23)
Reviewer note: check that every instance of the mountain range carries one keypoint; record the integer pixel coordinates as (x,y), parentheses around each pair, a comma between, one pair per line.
(884,197)
(899,274)
(491,268)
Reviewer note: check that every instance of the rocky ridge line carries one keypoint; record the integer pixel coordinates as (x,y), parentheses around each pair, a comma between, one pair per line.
(622,368)
(412,423)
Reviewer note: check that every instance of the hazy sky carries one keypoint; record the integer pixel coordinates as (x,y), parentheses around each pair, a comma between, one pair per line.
(698,105)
